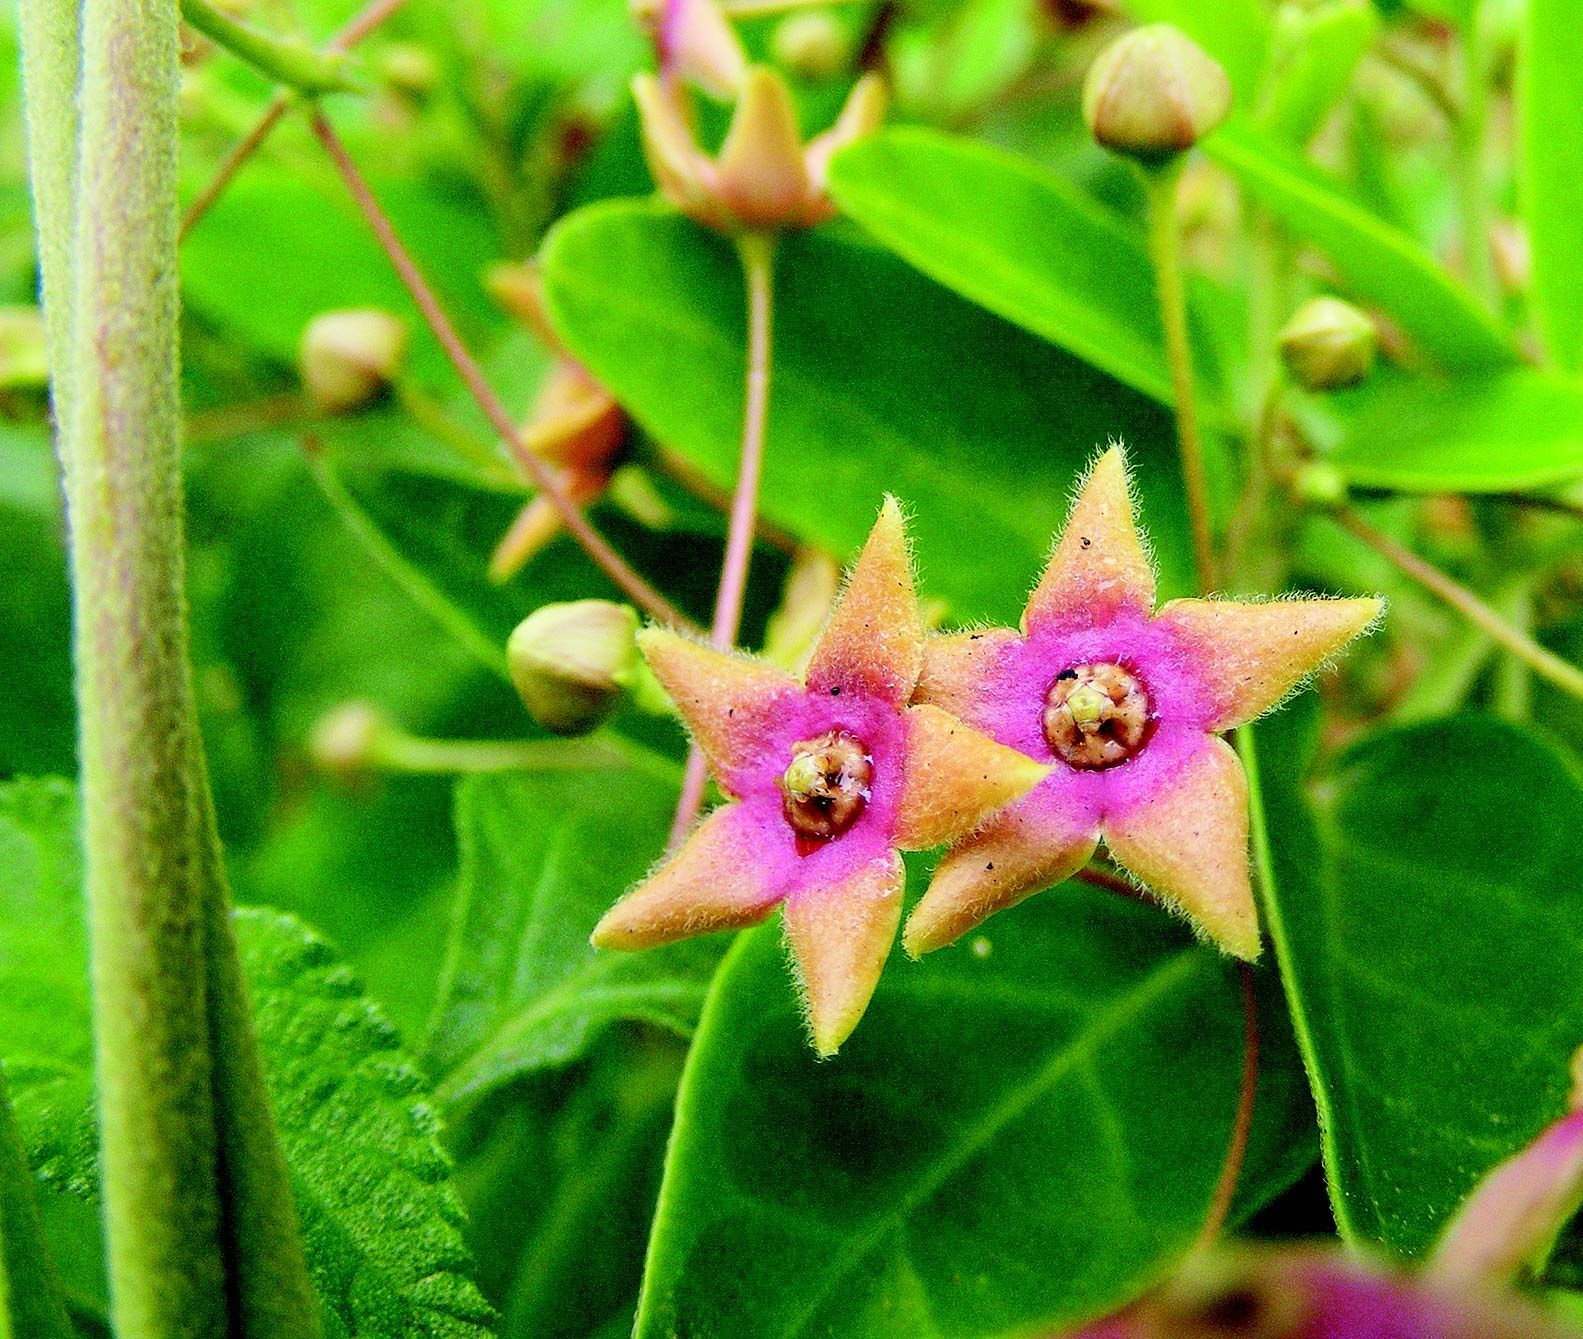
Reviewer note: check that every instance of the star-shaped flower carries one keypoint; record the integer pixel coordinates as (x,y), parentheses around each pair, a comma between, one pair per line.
(1127,705)
(831,777)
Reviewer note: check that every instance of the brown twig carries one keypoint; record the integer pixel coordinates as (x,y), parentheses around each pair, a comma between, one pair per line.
(1242,1123)
(594,544)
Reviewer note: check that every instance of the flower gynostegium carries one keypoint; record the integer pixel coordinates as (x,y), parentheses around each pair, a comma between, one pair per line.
(831,778)
(1127,705)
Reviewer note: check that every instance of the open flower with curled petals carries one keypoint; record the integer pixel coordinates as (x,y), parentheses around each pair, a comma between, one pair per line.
(831,777)
(1127,705)
(764,178)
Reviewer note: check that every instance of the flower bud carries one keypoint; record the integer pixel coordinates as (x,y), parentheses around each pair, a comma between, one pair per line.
(695,42)
(1328,344)
(812,45)
(409,69)
(1320,485)
(518,287)
(1154,93)
(572,662)
(24,360)
(350,357)
(346,742)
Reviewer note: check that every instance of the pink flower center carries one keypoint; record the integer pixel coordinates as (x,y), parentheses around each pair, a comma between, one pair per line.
(1097,716)
(826,786)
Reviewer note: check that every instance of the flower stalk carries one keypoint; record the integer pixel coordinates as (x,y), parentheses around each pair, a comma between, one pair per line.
(293,63)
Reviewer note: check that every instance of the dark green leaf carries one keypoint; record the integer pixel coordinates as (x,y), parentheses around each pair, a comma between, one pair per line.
(1425,918)
(1021,1131)
(979,428)
(544,856)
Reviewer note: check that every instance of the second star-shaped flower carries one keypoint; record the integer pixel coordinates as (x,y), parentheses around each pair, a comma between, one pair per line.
(831,778)
(1127,705)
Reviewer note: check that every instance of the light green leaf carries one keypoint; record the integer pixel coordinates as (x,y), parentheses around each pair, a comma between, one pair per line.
(1021,1131)
(544,856)
(1550,74)
(1521,429)
(1234,32)
(1316,53)
(980,428)
(1425,918)
(1379,262)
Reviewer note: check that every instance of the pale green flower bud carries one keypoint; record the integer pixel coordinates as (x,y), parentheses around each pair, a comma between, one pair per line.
(1154,93)
(349,357)
(572,663)
(812,45)
(347,742)
(1328,344)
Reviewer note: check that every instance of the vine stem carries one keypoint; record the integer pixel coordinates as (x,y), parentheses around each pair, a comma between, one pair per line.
(289,62)
(636,589)
(1165,250)
(1242,1124)
(1544,662)
(757,251)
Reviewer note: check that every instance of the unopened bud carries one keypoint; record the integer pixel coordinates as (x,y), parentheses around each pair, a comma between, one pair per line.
(1320,485)
(409,69)
(1328,344)
(695,42)
(24,361)
(573,662)
(812,45)
(350,357)
(1154,93)
(346,742)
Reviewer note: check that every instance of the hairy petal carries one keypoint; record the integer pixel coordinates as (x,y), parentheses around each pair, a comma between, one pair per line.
(874,641)
(840,935)
(1031,846)
(1099,566)
(954,778)
(730,702)
(715,881)
(1189,843)
(1252,655)
(956,671)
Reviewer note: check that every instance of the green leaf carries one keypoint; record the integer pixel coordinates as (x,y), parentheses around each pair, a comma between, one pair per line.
(30,1302)
(381,1220)
(1521,429)
(1019,240)
(1425,921)
(1021,1131)
(979,428)
(1234,32)
(1316,54)
(544,856)
(1379,262)
(1550,74)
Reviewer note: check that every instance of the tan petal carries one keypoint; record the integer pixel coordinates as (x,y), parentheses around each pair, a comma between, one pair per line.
(575,420)
(724,697)
(702,46)
(1100,564)
(955,667)
(862,114)
(1030,847)
(761,177)
(955,778)
(874,640)
(1252,655)
(1190,845)
(840,937)
(668,145)
(712,882)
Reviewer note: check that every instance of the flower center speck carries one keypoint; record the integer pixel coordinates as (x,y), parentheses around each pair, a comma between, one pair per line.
(1097,716)
(826,786)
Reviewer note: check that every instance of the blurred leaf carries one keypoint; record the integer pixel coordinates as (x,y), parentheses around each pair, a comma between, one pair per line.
(979,428)
(1012,237)
(381,1219)
(1550,74)
(1517,430)
(1425,917)
(1234,32)
(544,856)
(1020,1132)
(1316,54)
(1380,263)
(30,1300)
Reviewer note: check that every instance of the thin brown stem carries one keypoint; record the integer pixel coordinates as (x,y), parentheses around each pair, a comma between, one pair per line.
(636,589)
(1544,662)
(1242,1124)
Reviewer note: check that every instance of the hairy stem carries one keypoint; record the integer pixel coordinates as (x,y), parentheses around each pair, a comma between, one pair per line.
(287,61)
(1165,250)
(757,251)
(1544,662)
(30,1296)
(594,544)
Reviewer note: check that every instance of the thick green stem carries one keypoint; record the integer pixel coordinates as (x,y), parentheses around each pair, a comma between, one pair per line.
(1165,250)
(199,1220)
(30,1298)
(293,63)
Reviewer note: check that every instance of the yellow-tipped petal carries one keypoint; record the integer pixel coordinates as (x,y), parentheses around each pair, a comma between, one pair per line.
(1030,847)
(711,883)
(1100,563)
(862,114)
(726,699)
(761,177)
(955,778)
(1190,845)
(839,938)
(668,144)
(1253,655)
(874,640)
(954,671)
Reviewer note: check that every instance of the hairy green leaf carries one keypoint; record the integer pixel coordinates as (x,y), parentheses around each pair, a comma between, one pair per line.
(1425,918)
(1022,1130)
(1378,261)
(979,427)
(544,856)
